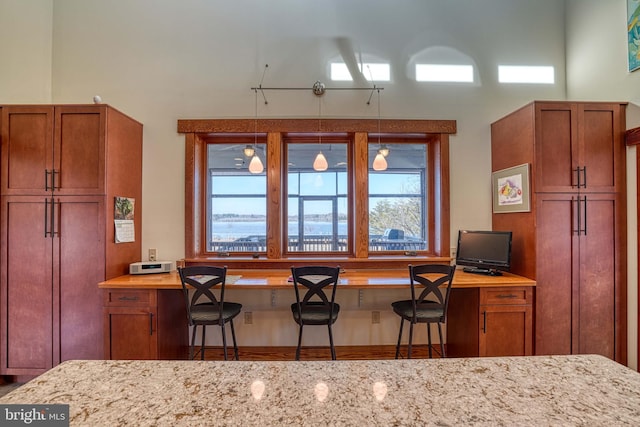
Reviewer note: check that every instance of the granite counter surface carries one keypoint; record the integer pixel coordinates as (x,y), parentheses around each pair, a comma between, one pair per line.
(539,390)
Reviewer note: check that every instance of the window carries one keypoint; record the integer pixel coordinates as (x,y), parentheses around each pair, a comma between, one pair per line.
(349,211)
(444,73)
(525,74)
(397,199)
(237,199)
(317,201)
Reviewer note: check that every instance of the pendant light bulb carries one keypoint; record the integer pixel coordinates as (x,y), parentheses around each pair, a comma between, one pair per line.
(384,150)
(249,151)
(320,163)
(255,166)
(379,163)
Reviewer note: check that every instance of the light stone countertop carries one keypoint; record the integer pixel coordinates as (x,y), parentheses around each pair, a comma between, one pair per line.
(523,391)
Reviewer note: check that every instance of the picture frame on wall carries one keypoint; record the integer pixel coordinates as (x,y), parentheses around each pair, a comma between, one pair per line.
(633,31)
(511,189)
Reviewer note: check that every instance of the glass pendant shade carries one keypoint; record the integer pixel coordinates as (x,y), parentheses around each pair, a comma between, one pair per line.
(255,166)
(379,163)
(320,163)
(384,150)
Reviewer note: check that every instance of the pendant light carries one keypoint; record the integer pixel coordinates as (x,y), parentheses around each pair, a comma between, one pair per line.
(379,162)
(255,165)
(320,163)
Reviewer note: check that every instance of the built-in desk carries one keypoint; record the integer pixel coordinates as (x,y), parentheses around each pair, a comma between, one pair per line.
(488,315)
(536,391)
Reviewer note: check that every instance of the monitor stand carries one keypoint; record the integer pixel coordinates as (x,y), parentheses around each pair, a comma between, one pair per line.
(485,271)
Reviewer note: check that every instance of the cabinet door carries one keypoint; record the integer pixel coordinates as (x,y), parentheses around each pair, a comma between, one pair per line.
(79,148)
(556,147)
(79,250)
(597,305)
(26,286)
(27,150)
(556,258)
(505,330)
(132,333)
(600,135)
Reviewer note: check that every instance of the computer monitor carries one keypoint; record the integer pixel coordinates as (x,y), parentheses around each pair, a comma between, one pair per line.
(484,252)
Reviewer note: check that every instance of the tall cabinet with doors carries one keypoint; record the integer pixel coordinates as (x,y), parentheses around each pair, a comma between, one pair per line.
(573,239)
(62,166)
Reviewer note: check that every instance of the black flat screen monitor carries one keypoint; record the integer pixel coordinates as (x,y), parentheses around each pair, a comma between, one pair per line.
(484,252)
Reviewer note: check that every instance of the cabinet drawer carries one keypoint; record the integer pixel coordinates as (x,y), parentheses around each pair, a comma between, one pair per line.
(506,296)
(129,298)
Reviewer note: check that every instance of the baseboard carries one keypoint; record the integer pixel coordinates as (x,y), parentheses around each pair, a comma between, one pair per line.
(354,352)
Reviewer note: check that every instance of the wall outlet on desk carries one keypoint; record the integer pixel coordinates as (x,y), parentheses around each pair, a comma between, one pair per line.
(375,317)
(153,254)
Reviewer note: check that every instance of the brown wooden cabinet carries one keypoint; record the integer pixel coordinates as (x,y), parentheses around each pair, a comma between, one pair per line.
(57,223)
(573,241)
(145,324)
(490,322)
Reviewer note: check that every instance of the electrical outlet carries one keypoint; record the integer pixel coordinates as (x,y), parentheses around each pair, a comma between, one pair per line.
(375,317)
(248,318)
(453,253)
(153,254)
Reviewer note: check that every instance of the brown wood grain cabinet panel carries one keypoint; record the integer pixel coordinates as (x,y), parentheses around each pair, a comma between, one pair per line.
(145,324)
(490,322)
(58,238)
(573,242)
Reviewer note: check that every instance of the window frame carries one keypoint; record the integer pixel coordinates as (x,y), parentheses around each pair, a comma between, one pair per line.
(274,131)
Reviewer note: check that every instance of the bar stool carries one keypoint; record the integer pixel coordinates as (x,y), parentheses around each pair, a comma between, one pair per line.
(203,308)
(430,306)
(315,308)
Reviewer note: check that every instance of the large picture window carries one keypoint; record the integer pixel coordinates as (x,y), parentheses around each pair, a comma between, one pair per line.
(354,207)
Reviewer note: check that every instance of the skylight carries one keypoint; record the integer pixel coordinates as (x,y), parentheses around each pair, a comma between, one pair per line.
(377,72)
(444,73)
(525,74)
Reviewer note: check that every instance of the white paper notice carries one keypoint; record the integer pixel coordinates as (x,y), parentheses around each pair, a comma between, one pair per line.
(125,231)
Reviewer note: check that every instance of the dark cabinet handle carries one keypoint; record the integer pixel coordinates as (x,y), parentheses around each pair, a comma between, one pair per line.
(507,296)
(484,321)
(128,298)
(584,229)
(576,230)
(46,218)
(584,175)
(55,225)
(53,179)
(150,323)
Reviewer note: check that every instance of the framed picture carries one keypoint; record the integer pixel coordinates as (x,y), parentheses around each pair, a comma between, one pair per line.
(633,31)
(511,189)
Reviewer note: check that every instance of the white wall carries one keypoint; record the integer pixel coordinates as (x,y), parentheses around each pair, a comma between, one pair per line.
(162,60)
(597,70)
(25,53)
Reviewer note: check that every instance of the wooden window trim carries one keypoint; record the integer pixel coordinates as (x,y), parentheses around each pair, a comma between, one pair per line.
(197,131)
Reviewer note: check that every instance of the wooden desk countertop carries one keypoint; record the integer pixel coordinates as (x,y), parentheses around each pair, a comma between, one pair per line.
(351,279)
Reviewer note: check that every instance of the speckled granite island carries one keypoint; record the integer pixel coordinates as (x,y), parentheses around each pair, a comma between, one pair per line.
(538,390)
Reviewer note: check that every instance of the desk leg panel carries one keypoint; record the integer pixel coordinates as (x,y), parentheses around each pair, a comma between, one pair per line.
(463,323)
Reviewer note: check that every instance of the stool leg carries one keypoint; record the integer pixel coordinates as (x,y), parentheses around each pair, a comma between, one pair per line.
(429,338)
(442,354)
(235,345)
(193,343)
(333,350)
(299,343)
(399,337)
(224,340)
(204,327)
(410,338)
